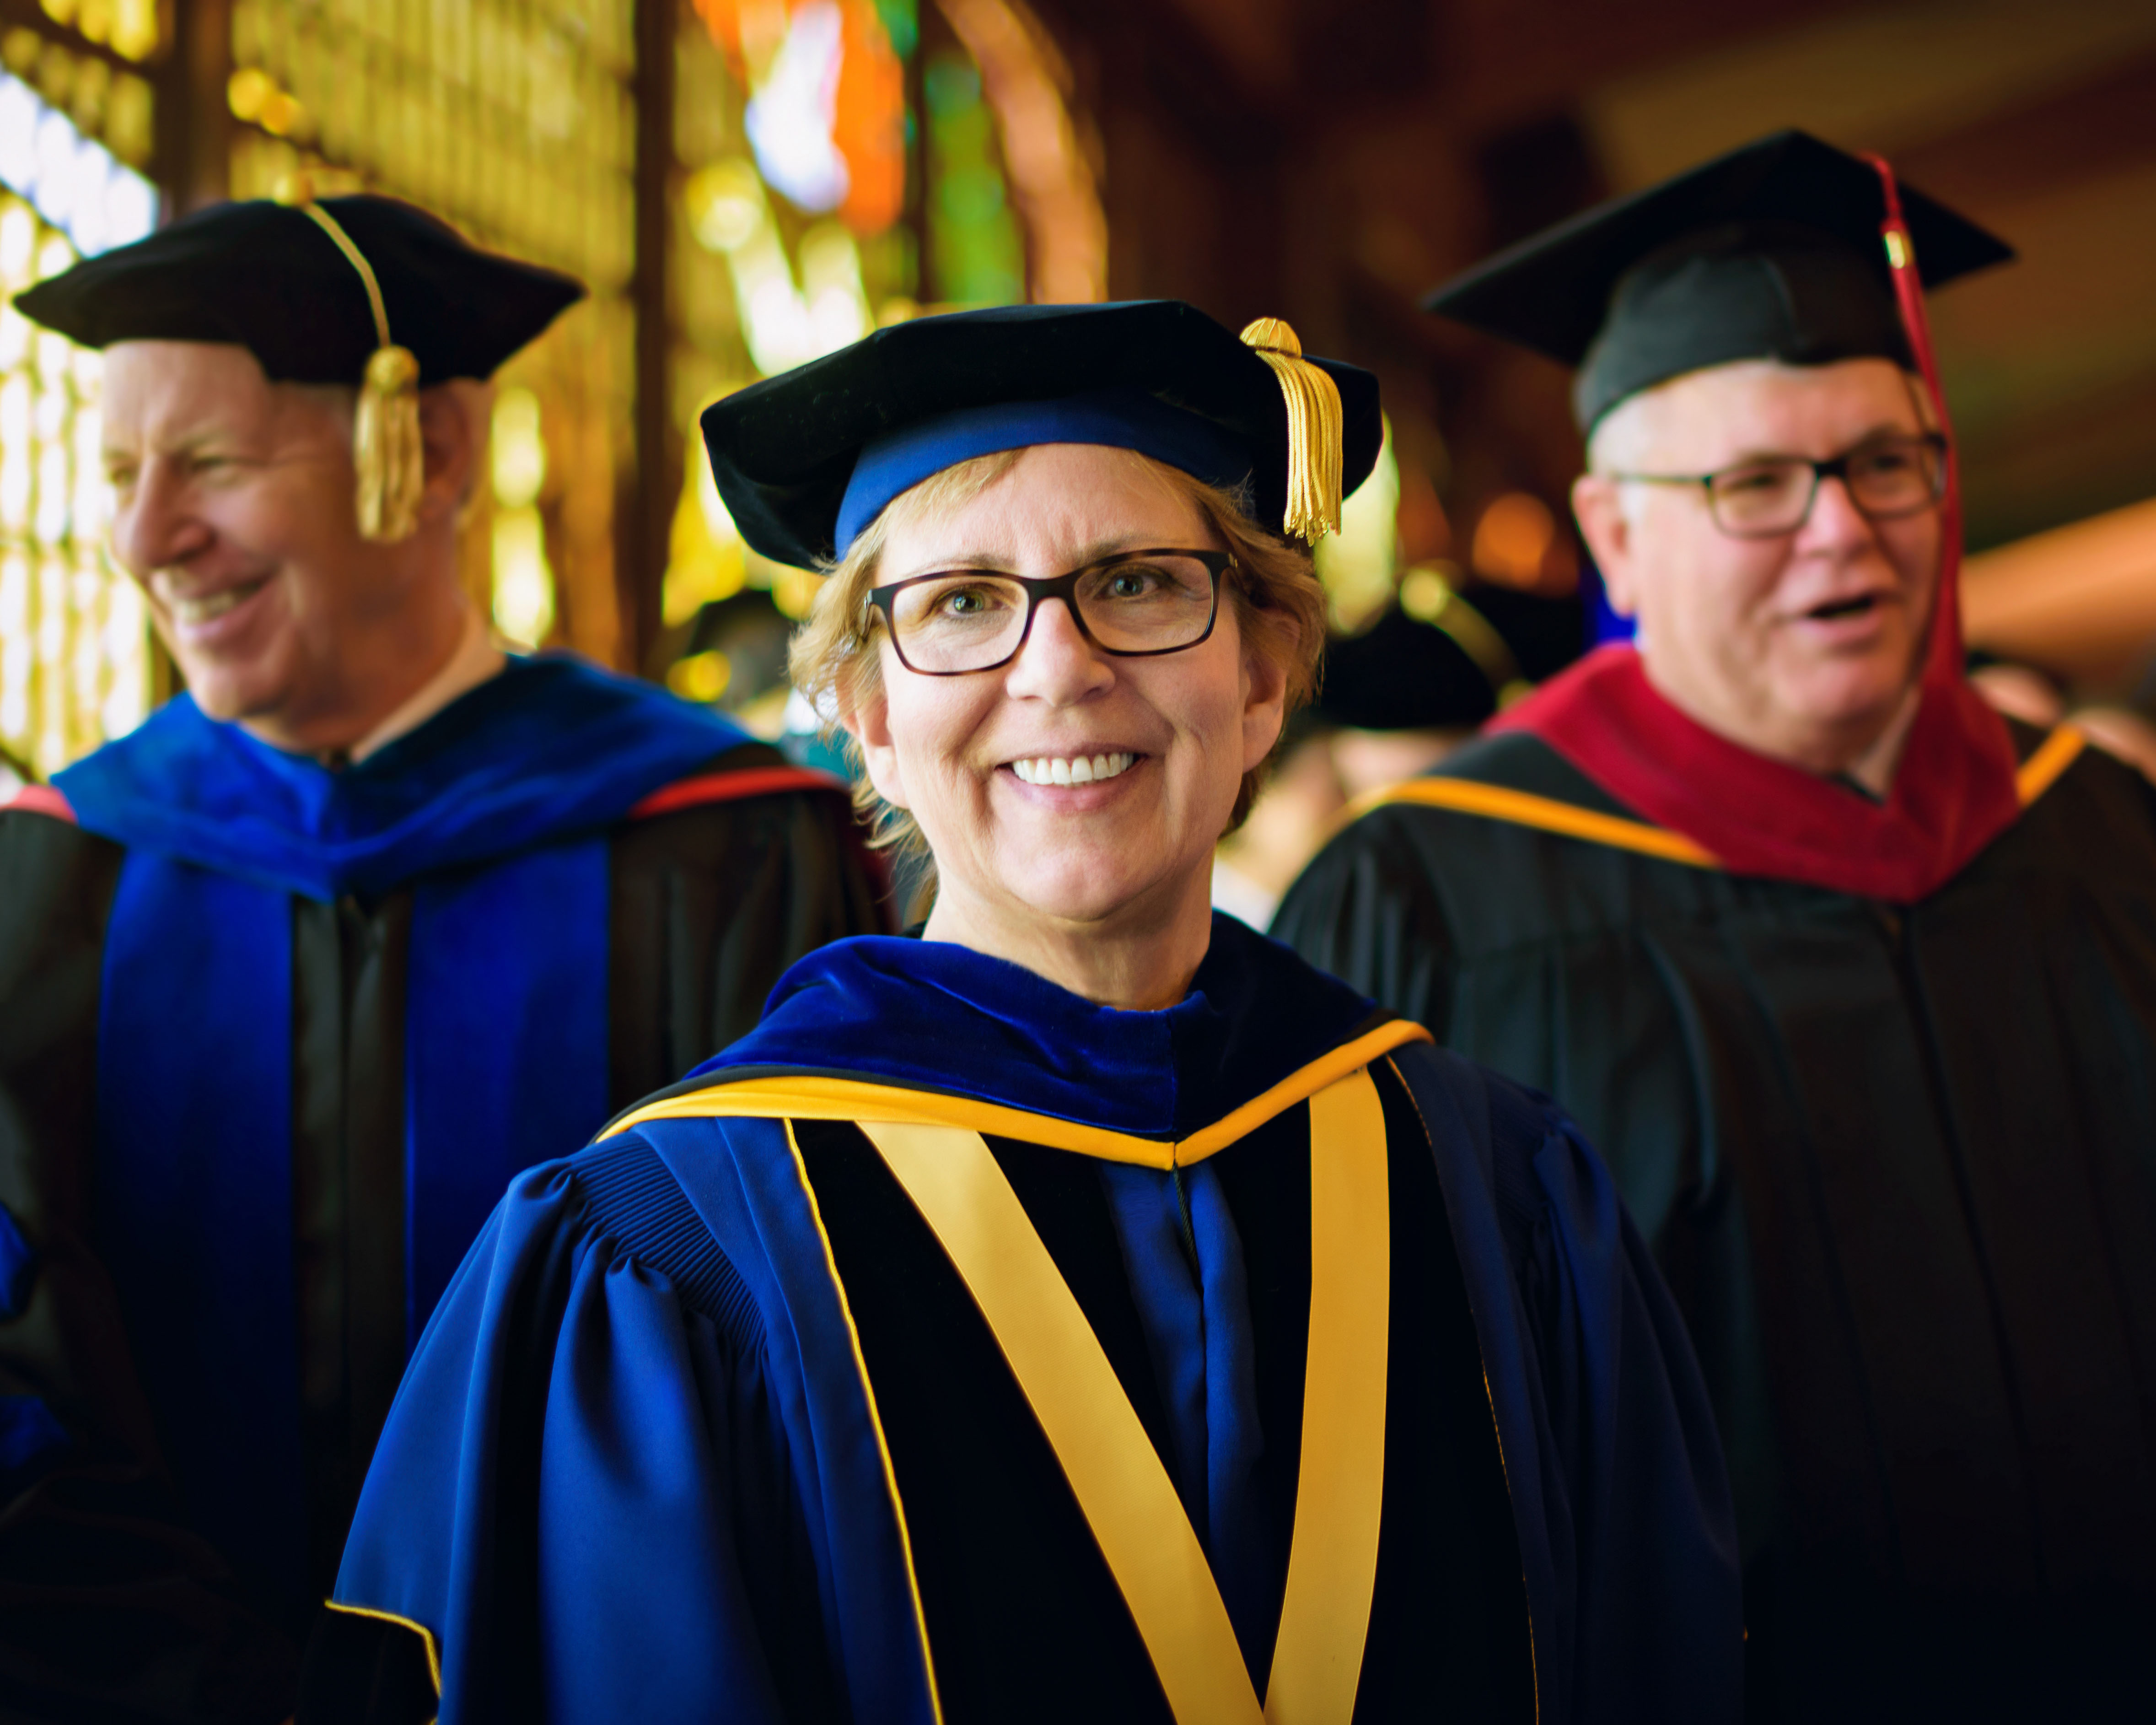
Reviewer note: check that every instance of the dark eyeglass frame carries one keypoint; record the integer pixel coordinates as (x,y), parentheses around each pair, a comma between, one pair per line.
(1062,587)
(1837,468)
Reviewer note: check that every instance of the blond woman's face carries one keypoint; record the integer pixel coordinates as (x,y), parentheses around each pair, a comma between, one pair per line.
(984,761)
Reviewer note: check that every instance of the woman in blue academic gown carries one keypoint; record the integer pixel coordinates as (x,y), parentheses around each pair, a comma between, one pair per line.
(1085,1310)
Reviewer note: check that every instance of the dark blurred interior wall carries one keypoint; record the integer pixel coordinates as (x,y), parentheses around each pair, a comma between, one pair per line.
(1329,162)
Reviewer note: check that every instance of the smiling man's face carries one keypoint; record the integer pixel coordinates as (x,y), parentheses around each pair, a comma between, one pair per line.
(234,511)
(1804,646)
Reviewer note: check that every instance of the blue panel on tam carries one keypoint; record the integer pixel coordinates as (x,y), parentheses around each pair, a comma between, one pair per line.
(1116,418)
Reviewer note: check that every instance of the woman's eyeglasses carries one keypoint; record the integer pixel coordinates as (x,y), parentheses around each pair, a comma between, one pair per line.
(1135,604)
(1886,478)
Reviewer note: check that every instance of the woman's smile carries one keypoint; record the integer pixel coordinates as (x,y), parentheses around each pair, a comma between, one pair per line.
(1073,769)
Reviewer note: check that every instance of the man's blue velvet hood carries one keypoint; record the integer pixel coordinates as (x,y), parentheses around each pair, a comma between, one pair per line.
(549,748)
(495,815)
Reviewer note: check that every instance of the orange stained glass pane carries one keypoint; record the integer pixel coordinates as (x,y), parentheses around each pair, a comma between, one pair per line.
(867,121)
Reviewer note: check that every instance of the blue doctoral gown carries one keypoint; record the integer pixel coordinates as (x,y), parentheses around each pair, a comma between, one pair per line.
(706,1428)
(273,1039)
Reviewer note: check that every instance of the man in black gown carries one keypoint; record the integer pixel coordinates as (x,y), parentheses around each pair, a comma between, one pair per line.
(295,976)
(1854,984)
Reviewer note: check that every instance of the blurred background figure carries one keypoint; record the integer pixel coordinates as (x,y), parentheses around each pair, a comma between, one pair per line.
(1397,698)
(1427,639)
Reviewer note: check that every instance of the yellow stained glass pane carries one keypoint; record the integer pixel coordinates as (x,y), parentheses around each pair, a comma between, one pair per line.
(74,652)
(507,118)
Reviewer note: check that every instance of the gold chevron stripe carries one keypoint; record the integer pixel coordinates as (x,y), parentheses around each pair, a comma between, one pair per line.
(1466,796)
(2041,770)
(1114,1471)
(863,1101)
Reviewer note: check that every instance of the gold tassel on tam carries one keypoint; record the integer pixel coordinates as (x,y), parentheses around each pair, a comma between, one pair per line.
(385,443)
(1314,452)
(386,446)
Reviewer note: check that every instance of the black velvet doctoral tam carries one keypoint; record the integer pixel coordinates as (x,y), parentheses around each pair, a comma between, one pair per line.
(1772,251)
(784,451)
(265,276)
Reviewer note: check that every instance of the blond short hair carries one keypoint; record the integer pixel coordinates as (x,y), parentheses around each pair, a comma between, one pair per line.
(836,665)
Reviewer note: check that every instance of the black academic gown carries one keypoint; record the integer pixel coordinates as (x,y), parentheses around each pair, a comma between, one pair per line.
(114,1602)
(1898,1165)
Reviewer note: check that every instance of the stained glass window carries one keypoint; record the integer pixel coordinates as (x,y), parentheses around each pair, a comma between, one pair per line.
(845,164)
(979,256)
(75,661)
(514,120)
(75,131)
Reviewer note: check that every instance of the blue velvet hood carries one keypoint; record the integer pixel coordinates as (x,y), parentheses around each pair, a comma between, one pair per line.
(495,815)
(932,1015)
(550,747)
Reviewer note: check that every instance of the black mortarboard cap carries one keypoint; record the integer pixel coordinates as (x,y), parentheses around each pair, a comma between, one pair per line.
(266,276)
(804,460)
(1771,252)
(1452,668)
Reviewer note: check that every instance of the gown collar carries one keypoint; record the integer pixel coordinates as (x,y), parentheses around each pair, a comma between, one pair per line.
(551,748)
(933,1015)
(477,659)
(1953,792)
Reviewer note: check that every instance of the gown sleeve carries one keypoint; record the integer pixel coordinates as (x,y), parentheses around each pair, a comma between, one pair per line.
(1627,1532)
(1369,911)
(577,1511)
(110,1606)
(712,904)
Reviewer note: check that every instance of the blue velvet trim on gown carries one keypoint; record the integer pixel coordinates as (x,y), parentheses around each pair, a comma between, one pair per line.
(495,813)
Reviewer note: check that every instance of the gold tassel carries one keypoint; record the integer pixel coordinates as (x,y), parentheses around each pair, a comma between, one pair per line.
(1314,454)
(386,446)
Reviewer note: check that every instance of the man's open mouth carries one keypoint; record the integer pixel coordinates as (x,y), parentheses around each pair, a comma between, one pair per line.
(209,606)
(1838,609)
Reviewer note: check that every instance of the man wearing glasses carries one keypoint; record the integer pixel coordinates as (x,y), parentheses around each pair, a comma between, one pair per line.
(1854,983)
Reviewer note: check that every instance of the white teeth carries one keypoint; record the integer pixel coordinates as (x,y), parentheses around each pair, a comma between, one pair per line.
(216,604)
(1073,769)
